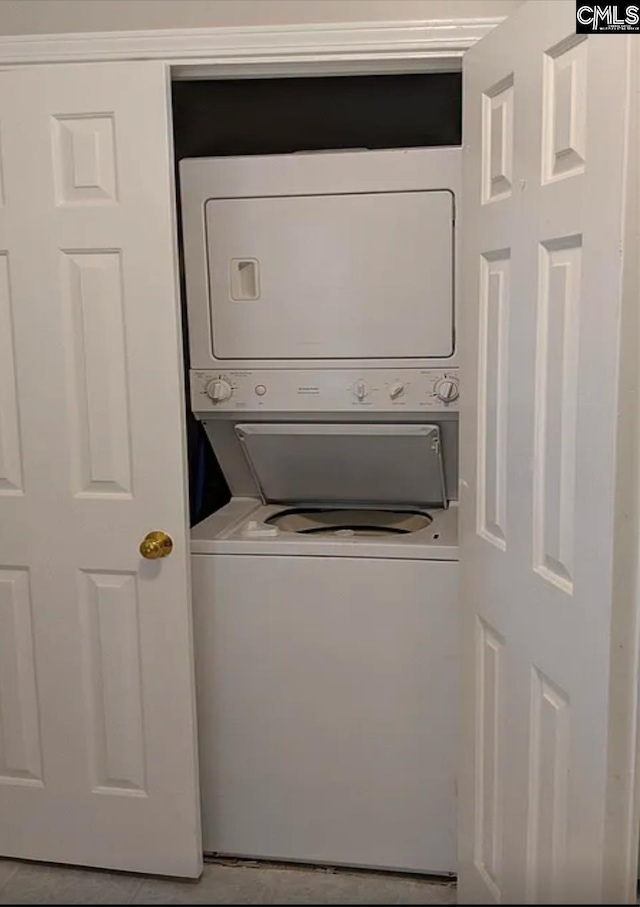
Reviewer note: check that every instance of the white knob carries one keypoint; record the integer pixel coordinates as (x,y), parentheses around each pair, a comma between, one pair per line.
(447,390)
(218,390)
(396,390)
(260,390)
(361,390)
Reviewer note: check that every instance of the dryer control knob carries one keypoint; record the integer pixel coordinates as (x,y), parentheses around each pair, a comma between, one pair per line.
(218,390)
(447,390)
(396,390)
(360,390)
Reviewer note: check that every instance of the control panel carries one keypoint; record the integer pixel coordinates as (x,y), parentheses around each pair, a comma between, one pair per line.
(335,390)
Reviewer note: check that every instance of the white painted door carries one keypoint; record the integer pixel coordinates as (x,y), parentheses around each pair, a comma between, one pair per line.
(97,726)
(545,180)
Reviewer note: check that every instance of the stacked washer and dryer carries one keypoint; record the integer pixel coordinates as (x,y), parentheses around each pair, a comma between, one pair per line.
(321,307)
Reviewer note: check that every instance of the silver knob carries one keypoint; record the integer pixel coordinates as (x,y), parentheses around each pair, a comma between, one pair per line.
(447,390)
(218,390)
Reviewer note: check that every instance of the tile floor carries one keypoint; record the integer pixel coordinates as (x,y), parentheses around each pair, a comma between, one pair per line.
(221,883)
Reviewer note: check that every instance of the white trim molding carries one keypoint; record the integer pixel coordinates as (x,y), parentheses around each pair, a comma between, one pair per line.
(344,47)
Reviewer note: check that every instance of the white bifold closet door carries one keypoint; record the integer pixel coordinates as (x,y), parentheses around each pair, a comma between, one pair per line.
(97,725)
(547,493)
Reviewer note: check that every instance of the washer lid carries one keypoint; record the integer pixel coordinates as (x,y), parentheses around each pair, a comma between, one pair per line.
(345,464)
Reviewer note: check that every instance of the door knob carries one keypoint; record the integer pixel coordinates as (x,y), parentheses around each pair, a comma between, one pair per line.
(156,544)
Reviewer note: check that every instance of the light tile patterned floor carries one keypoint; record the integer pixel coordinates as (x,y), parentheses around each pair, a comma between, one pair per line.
(221,883)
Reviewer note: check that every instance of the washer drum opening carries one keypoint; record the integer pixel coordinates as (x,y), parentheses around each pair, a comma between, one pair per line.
(349,521)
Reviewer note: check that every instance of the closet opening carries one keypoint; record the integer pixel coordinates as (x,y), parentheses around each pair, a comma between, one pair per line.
(238,117)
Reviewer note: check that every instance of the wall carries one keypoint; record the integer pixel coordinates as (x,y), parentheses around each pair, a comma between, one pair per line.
(51,16)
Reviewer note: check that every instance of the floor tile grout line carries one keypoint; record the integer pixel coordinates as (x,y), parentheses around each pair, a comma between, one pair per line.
(9,877)
(136,890)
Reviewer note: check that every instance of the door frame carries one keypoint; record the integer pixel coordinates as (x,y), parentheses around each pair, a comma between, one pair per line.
(365,48)
(376,48)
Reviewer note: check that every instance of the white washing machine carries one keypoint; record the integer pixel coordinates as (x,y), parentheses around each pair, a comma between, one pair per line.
(326,650)
(325,592)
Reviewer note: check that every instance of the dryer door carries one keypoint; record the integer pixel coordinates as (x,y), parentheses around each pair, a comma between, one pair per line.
(346,464)
(350,276)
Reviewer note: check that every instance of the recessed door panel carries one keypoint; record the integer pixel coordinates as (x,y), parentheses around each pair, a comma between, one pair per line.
(365,275)
(20,747)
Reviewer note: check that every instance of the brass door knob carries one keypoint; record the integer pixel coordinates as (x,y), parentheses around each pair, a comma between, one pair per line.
(156,544)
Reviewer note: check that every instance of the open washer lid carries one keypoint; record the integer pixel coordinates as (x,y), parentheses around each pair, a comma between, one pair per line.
(336,463)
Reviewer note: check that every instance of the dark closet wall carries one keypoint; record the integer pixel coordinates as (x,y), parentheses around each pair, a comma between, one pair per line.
(275,116)
(279,116)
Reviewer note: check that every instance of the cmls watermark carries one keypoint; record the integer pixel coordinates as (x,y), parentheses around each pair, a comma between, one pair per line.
(599,18)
